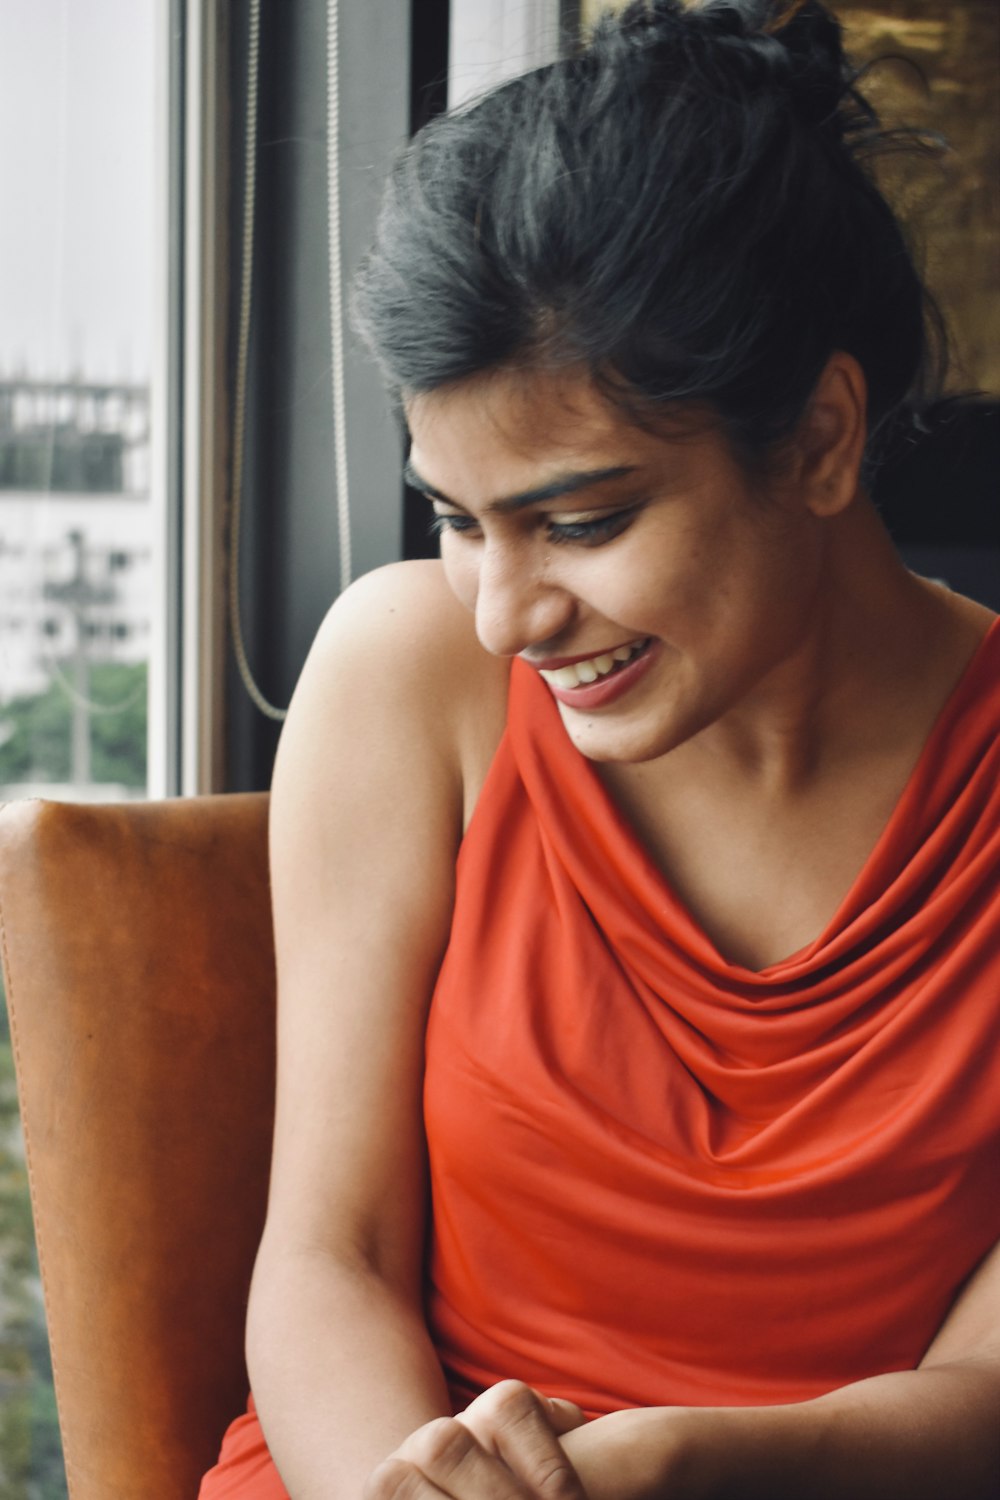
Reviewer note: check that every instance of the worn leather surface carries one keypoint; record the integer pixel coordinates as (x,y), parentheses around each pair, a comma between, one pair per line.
(140,978)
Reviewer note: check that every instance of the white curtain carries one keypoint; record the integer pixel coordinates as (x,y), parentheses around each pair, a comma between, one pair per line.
(496,39)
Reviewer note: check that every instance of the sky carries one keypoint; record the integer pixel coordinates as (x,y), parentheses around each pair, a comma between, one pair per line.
(77,102)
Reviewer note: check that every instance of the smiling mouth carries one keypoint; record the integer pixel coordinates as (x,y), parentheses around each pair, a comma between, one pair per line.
(582,673)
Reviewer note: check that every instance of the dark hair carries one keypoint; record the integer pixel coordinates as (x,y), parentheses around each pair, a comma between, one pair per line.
(685,207)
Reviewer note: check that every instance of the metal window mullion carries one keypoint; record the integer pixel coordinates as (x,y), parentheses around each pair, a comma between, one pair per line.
(204,419)
(163,777)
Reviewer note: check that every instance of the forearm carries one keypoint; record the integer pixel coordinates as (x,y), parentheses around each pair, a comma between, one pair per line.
(922,1434)
(342,1371)
(919,1433)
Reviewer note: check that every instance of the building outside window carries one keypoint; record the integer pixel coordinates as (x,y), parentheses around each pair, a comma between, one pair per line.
(78,551)
(76,577)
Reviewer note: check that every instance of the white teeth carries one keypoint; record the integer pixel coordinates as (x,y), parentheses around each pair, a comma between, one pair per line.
(582,672)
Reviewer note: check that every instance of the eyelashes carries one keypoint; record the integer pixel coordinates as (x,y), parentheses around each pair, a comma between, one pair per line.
(591,532)
(437,525)
(587,533)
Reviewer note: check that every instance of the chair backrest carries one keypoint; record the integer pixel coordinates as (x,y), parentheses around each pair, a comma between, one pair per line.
(139,965)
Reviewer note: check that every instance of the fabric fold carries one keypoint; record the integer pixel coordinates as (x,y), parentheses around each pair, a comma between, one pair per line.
(659,1177)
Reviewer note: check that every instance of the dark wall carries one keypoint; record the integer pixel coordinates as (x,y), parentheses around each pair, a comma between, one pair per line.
(289,553)
(940,498)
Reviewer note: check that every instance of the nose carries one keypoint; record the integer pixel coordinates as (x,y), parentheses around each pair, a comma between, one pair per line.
(516,606)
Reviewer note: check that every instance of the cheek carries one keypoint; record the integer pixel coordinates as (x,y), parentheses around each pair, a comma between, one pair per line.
(702,592)
(661,594)
(668,570)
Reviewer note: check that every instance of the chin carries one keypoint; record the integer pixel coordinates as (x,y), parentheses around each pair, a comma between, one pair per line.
(613,744)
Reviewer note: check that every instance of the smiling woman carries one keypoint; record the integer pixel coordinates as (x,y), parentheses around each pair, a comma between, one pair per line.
(637,1109)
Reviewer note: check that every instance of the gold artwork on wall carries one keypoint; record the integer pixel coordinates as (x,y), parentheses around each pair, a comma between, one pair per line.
(941,74)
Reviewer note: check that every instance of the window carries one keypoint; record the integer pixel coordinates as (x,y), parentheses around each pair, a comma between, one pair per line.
(79,552)
(77,299)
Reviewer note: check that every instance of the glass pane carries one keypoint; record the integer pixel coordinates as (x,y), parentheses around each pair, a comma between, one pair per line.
(76,298)
(78,564)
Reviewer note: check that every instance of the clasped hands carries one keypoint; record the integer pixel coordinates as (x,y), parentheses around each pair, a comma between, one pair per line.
(512,1443)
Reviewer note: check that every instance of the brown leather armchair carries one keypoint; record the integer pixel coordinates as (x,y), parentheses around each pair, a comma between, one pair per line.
(139,966)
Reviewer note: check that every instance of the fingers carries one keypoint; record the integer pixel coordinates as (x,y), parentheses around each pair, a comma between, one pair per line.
(564,1416)
(443,1459)
(505,1446)
(522,1428)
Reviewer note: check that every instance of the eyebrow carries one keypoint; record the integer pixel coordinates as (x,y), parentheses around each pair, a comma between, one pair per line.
(566,484)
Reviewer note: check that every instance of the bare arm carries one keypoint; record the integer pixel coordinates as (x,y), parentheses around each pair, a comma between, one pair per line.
(366,817)
(924,1434)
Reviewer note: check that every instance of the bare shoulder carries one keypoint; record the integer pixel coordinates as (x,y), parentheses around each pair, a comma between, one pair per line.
(366,819)
(398,655)
(972,617)
(959,627)
(405,606)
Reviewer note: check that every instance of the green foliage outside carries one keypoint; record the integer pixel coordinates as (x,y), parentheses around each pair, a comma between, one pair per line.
(36,746)
(36,730)
(31,1466)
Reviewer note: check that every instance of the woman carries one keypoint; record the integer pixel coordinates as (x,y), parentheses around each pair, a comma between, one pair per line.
(636,868)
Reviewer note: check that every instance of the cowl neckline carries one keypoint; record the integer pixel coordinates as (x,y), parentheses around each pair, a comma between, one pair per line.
(934,812)
(660,1177)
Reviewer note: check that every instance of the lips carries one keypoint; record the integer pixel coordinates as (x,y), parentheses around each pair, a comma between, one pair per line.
(588,669)
(590,682)
(602,661)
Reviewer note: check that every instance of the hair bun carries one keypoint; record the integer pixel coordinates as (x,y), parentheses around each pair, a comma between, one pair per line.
(820,76)
(794,47)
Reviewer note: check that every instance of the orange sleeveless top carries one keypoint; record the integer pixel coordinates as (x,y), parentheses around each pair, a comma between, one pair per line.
(662,1178)
(659,1177)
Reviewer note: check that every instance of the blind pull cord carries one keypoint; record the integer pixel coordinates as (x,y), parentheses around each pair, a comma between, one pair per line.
(267,708)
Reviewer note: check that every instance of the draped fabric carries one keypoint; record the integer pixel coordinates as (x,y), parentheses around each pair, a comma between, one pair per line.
(245,1470)
(659,1177)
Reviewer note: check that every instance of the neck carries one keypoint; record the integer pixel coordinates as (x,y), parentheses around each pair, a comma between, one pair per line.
(875,655)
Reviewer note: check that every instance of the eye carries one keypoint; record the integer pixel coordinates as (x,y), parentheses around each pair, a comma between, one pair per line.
(592,533)
(587,533)
(442,521)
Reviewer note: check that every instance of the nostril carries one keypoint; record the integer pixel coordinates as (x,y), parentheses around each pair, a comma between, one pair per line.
(513,632)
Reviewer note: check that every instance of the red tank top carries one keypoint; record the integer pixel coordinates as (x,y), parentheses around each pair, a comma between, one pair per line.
(659,1177)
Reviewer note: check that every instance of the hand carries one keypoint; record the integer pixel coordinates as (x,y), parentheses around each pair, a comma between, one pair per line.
(505,1446)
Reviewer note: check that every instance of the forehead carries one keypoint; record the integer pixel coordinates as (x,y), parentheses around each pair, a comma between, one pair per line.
(513,431)
(514,426)
(520,408)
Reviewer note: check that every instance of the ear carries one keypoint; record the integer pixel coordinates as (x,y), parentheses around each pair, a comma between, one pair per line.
(831,437)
